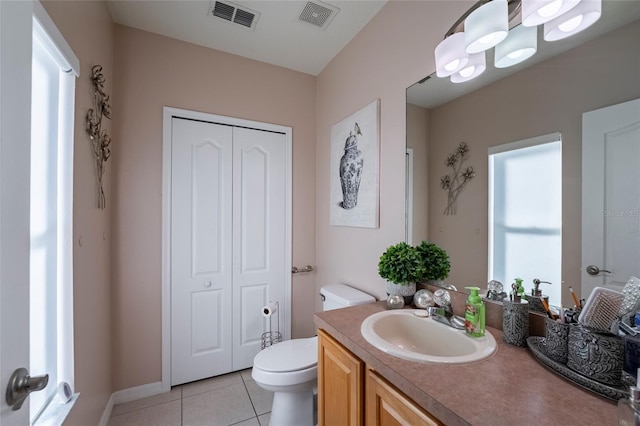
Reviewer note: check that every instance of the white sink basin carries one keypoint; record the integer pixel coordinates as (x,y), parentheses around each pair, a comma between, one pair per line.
(403,334)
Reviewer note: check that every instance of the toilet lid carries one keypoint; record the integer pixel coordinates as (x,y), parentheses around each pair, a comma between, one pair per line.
(290,355)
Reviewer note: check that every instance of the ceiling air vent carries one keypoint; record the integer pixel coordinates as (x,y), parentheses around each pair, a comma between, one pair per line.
(318,13)
(232,12)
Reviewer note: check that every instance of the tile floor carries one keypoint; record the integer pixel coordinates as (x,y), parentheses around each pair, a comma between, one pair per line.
(231,399)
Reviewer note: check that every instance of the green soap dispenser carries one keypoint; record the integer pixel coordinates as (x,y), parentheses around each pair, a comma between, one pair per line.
(520,291)
(474,314)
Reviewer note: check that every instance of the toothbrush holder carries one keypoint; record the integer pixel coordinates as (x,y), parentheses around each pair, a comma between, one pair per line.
(598,356)
(556,340)
(515,322)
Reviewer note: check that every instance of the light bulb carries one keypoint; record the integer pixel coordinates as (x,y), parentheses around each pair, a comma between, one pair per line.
(466,72)
(487,39)
(571,24)
(516,54)
(453,65)
(550,9)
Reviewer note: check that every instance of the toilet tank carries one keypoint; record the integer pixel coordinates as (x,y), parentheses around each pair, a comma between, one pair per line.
(337,296)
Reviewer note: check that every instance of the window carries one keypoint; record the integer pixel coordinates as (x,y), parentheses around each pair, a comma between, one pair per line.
(525,213)
(51,212)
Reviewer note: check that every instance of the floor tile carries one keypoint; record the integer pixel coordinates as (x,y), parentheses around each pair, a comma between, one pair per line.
(127,407)
(213,383)
(246,374)
(167,414)
(251,422)
(264,419)
(262,399)
(220,407)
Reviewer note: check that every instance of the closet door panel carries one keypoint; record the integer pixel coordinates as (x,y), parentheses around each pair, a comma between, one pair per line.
(259,230)
(201,261)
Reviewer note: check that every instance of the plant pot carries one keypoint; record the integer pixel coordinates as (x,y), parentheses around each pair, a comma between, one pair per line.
(406,291)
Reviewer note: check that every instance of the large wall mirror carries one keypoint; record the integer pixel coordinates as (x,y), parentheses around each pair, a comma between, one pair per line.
(546,95)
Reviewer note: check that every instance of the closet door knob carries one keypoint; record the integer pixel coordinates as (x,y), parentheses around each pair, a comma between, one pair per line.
(207,284)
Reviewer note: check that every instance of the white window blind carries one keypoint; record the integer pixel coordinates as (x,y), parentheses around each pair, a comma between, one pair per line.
(525,213)
(54,69)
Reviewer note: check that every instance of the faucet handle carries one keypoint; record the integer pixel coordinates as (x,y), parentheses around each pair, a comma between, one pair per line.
(436,311)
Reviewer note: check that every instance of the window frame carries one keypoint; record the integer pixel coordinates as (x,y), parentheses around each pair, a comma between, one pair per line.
(49,37)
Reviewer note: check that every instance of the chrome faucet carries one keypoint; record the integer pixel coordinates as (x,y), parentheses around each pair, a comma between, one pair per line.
(445,316)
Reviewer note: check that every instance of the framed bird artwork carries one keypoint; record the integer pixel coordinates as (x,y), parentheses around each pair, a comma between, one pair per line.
(355,150)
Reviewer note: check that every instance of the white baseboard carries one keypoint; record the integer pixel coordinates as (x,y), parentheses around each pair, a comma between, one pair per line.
(106,414)
(138,392)
(128,395)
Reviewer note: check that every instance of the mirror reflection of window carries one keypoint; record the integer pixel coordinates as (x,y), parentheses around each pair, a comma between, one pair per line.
(408,208)
(525,213)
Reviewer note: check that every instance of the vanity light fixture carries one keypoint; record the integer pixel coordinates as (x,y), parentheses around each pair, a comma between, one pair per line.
(575,20)
(477,65)
(511,26)
(451,56)
(537,12)
(520,45)
(486,26)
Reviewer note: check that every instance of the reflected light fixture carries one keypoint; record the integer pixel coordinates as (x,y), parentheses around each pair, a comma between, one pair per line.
(511,26)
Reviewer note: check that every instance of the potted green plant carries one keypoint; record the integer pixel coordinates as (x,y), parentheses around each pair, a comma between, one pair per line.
(435,261)
(401,266)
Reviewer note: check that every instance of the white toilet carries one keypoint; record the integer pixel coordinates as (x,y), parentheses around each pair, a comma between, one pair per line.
(289,369)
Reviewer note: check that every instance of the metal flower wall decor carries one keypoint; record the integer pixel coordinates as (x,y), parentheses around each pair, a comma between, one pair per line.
(453,184)
(100,140)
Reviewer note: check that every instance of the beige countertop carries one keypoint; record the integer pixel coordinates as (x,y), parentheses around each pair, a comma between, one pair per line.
(509,388)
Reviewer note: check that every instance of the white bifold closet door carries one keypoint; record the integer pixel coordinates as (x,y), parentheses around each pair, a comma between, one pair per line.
(227,244)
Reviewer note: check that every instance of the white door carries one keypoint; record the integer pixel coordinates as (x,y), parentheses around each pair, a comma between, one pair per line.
(259,222)
(610,196)
(15,142)
(228,244)
(201,259)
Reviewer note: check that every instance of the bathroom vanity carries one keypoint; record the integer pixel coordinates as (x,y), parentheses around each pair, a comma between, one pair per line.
(359,384)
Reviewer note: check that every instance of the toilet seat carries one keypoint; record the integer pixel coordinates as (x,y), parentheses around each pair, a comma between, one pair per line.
(288,356)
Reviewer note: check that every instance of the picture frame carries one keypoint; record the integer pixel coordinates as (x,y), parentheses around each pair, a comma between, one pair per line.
(354,174)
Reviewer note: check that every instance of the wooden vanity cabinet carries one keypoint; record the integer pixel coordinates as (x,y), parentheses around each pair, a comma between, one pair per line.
(387,406)
(340,384)
(345,397)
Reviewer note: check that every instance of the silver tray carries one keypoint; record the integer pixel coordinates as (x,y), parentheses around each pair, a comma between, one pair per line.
(614,393)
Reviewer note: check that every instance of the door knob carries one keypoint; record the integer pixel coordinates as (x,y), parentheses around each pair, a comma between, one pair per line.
(594,270)
(21,385)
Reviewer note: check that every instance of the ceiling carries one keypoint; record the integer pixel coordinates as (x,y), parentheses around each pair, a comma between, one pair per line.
(278,37)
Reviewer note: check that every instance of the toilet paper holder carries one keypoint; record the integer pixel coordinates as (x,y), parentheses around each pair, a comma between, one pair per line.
(271,337)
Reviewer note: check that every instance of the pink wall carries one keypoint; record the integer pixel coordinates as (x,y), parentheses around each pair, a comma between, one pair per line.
(88,28)
(599,73)
(152,72)
(391,53)
(118,327)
